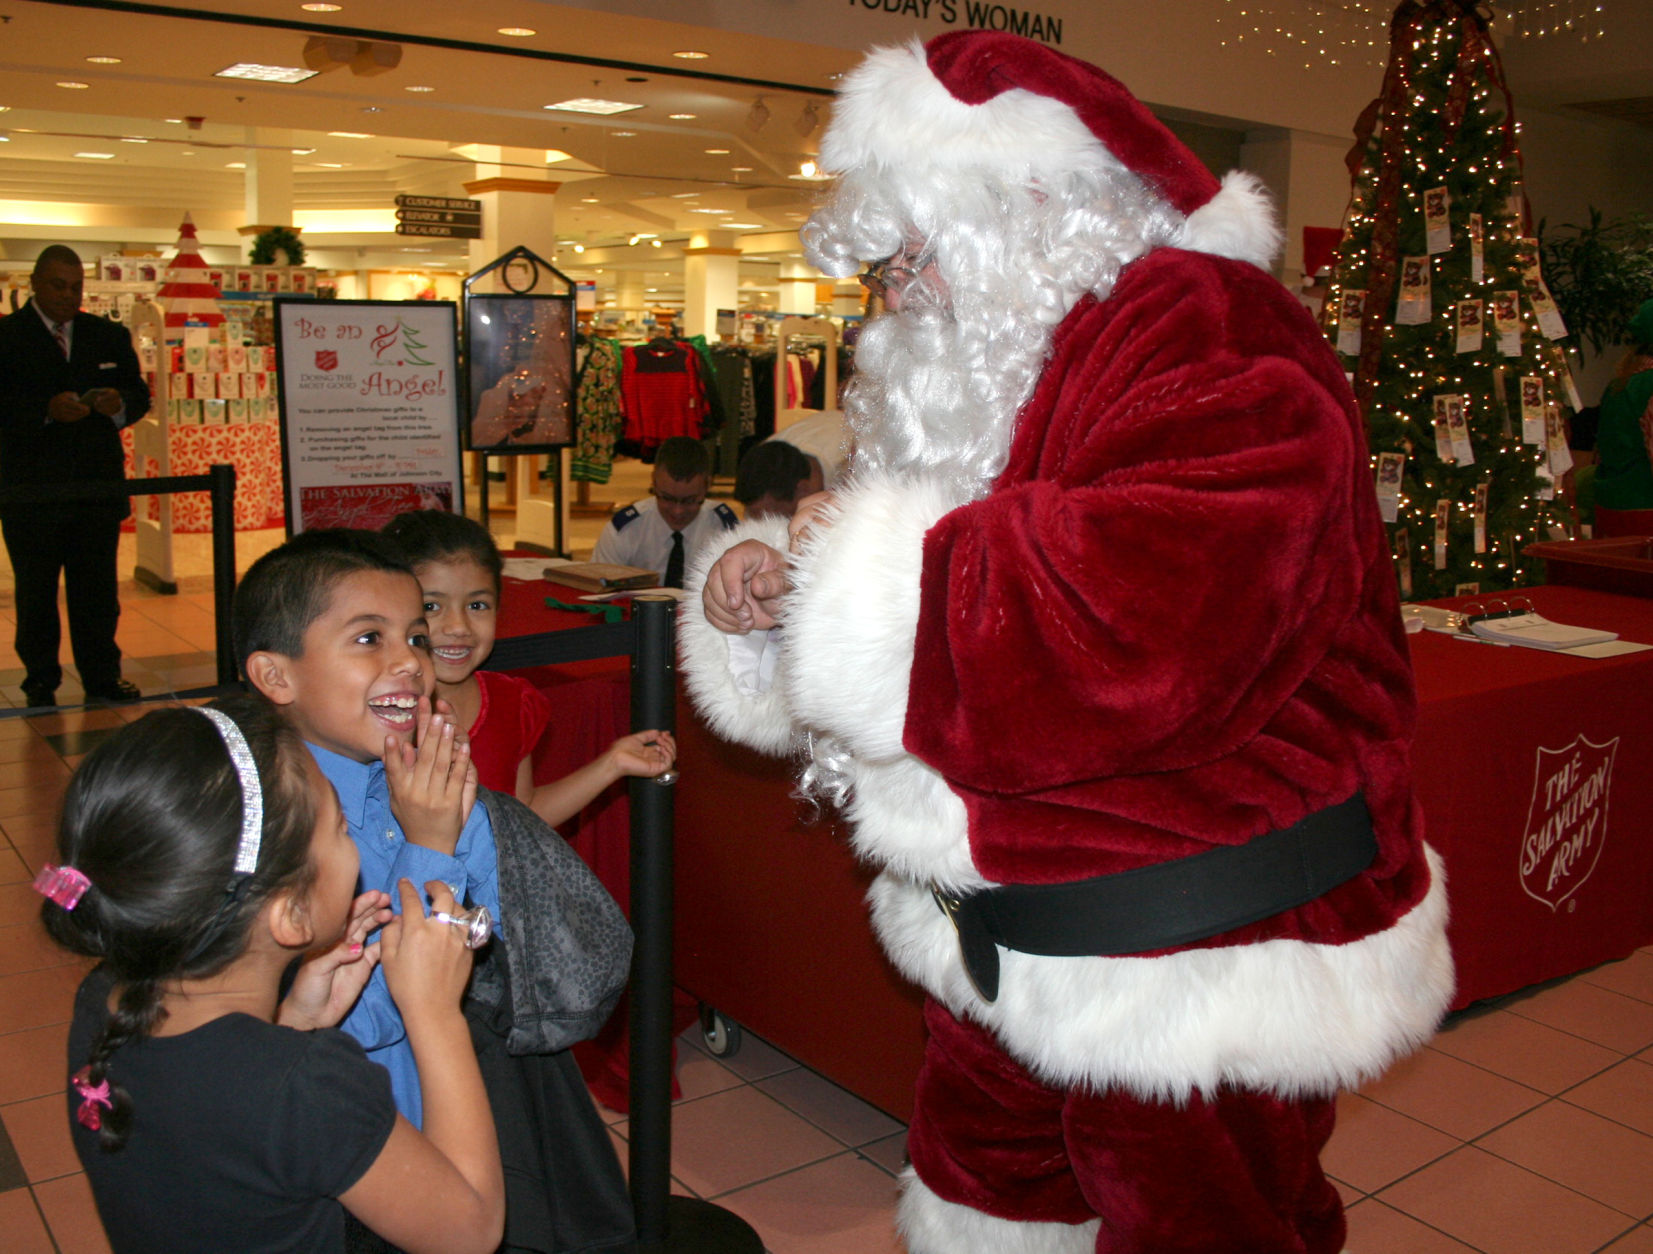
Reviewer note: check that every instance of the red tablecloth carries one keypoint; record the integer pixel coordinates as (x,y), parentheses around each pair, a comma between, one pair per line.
(1527,763)
(253,448)
(1536,775)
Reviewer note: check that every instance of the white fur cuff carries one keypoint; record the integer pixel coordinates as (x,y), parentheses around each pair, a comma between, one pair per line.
(726,688)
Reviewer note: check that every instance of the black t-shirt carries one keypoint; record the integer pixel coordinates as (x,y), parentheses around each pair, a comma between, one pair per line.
(243,1134)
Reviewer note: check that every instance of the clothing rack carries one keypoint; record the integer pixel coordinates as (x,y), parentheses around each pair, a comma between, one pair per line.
(815,332)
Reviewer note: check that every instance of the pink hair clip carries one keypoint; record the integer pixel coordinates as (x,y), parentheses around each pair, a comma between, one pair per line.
(92,1096)
(62,884)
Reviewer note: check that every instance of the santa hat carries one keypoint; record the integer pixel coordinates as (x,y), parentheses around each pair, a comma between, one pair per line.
(983,100)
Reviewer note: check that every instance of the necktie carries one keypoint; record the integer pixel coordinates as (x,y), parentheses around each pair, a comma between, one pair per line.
(59,330)
(674,563)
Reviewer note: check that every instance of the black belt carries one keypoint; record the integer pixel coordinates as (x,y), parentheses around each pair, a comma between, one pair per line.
(1167,904)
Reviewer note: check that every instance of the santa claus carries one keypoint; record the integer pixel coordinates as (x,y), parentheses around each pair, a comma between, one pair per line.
(1100,649)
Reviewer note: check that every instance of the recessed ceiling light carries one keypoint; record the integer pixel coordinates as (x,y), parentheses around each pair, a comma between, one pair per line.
(590,104)
(5,108)
(590,200)
(321,8)
(718,211)
(419,87)
(690,54)
(517,32)
(741,169)
(104,60)
(235,165)
(5,139)
(624,134)
(74,86)
(681,117)
(133,139)
(745,226)
(350,135)
(96,156)
(302,152)
(174,121)
(371,109)
(655,243)
(266,73)
(330,165)
(684,195)
(716,152)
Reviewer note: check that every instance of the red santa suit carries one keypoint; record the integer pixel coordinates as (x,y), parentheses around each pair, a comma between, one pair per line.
(1170,627)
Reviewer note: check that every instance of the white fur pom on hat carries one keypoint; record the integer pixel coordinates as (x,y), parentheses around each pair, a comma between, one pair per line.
(983,99)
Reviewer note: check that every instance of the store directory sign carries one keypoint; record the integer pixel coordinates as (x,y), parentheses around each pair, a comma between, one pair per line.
(369,410)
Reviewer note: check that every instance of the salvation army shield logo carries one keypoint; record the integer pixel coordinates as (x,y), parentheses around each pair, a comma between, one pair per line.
(1567,819)
(327,359)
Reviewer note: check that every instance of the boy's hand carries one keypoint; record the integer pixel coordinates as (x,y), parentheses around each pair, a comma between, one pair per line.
(644,753)
(329,981)
(426,962)
(432,787)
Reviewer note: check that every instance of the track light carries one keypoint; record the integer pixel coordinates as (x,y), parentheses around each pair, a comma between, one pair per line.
(759,115)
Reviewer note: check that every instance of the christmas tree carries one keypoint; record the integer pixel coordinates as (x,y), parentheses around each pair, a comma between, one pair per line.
(1439,311)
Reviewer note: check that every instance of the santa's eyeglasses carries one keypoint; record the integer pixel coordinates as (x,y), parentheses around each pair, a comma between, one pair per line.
(882,278)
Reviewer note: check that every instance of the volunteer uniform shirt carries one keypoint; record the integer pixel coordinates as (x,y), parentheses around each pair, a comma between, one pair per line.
(638,536)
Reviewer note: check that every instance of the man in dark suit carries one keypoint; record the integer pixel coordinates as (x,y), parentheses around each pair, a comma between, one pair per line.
(69,381)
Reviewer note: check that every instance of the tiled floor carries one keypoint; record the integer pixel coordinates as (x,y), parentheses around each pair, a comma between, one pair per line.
(1526,1127)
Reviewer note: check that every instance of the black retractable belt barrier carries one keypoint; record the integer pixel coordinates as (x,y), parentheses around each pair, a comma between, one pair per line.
(666,1224)
(219,483)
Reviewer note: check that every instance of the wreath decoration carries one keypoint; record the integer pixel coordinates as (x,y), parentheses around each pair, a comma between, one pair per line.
(277,239)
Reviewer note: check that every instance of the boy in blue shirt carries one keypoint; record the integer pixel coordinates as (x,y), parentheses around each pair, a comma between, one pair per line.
(331,627)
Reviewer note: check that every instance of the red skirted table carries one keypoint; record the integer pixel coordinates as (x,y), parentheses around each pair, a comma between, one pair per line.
(1535,772)
(253,448)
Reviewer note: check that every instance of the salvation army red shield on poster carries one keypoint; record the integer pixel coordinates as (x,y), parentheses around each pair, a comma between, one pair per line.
(327,359)
(1566,819)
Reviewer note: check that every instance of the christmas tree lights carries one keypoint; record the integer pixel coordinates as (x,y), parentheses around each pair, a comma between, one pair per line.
(1440,314)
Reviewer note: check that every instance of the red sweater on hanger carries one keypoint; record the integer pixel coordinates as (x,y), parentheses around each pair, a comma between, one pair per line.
(662,391)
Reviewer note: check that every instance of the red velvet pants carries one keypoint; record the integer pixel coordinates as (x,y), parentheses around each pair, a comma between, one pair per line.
(1239,1172)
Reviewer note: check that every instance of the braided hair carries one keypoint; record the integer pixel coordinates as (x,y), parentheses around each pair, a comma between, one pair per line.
(152,818)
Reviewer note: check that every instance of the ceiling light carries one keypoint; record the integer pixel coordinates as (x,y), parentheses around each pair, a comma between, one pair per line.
(174,121)
(104,60)
(371,109)
(350,135)
(743,226)
(809,172)
(716,152)
(74,86)
(517,32)
(681,117)
(758,115)
(330,165)
(321,8)
(96,156)
(554,155)
(655,243)
(590,104)
(720,211)
(133,139)
(689,54)
(266,73)
(579,248)
(590,200)
(624,134)
(302,152)
(741,169)
(419,87)
(5,139)
(235,165)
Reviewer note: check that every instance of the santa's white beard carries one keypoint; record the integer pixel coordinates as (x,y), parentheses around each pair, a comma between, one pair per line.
(938,384)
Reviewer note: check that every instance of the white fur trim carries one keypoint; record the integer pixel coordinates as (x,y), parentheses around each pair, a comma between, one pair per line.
(892,110)
(735,710)
(1238,222)
(905,818)
(852,614)
(930,1225)
(1287,1017)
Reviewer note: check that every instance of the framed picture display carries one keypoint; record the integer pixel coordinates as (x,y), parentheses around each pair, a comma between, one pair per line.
(520,372)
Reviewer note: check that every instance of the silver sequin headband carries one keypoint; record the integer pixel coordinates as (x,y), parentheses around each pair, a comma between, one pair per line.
(252,796)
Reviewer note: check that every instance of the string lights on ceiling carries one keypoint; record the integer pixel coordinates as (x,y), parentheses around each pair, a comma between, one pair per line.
(1356,32)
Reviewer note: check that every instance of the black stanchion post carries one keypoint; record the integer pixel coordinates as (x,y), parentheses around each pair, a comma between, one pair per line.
(223,566)
(665,1223)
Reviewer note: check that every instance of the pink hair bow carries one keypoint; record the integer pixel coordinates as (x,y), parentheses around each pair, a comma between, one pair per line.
(92,1096)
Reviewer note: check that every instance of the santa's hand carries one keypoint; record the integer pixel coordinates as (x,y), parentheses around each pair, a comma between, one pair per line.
(814,513)
(744,588)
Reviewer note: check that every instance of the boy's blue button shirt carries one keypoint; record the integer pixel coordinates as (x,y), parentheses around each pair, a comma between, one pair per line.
(472,871)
